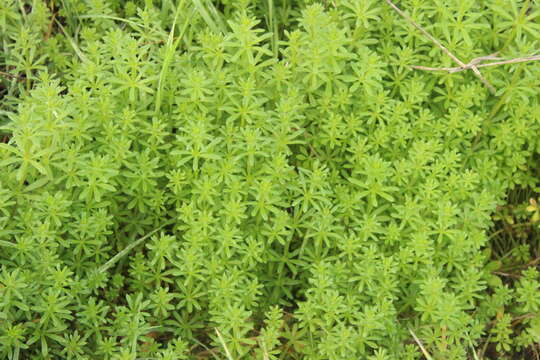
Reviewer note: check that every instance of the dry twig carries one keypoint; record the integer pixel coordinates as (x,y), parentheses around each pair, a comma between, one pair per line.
(473,65)
(479,64)
(461,64)
(419,343)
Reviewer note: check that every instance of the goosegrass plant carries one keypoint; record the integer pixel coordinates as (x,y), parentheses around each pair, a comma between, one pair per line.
(265,179)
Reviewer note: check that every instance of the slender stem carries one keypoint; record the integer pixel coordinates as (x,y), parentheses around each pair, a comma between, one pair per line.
(443,48)
(511,227)
(5,74)
(128,248)
(480,65)
(513,33)
(511,61)
(426,34)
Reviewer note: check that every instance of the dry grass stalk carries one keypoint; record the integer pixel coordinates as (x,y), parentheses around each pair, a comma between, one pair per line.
(479,64)
(473,65)
(419,343)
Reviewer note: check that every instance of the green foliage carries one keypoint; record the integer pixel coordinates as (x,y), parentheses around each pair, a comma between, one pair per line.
(272,170)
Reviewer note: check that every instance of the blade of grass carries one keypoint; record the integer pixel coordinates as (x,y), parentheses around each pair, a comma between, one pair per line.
(484,348)
(272,25)
(229,357)
(108,17)
(72,42)
(475,355)
(22,11)
(265,352)
(208,19)
(128,248)
(169,53)
(70,15)
(7,244)
(424,351)
(217,16)
(210,351)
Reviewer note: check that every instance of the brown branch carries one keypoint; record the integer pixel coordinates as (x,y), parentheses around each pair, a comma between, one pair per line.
(461,64)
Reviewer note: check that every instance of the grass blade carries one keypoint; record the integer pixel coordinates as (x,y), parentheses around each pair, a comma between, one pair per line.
(128,248)
(169,53)
(108,17)
(213,25)
(7,244)
(272,26)
(72,43)
(424,351)
(229,357)
(217,16)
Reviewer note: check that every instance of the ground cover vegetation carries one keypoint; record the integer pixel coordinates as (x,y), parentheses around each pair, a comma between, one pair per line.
(196,179)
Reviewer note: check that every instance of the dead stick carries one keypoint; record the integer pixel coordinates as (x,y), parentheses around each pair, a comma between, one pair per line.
(479,65)
(512,61)
(442,47)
